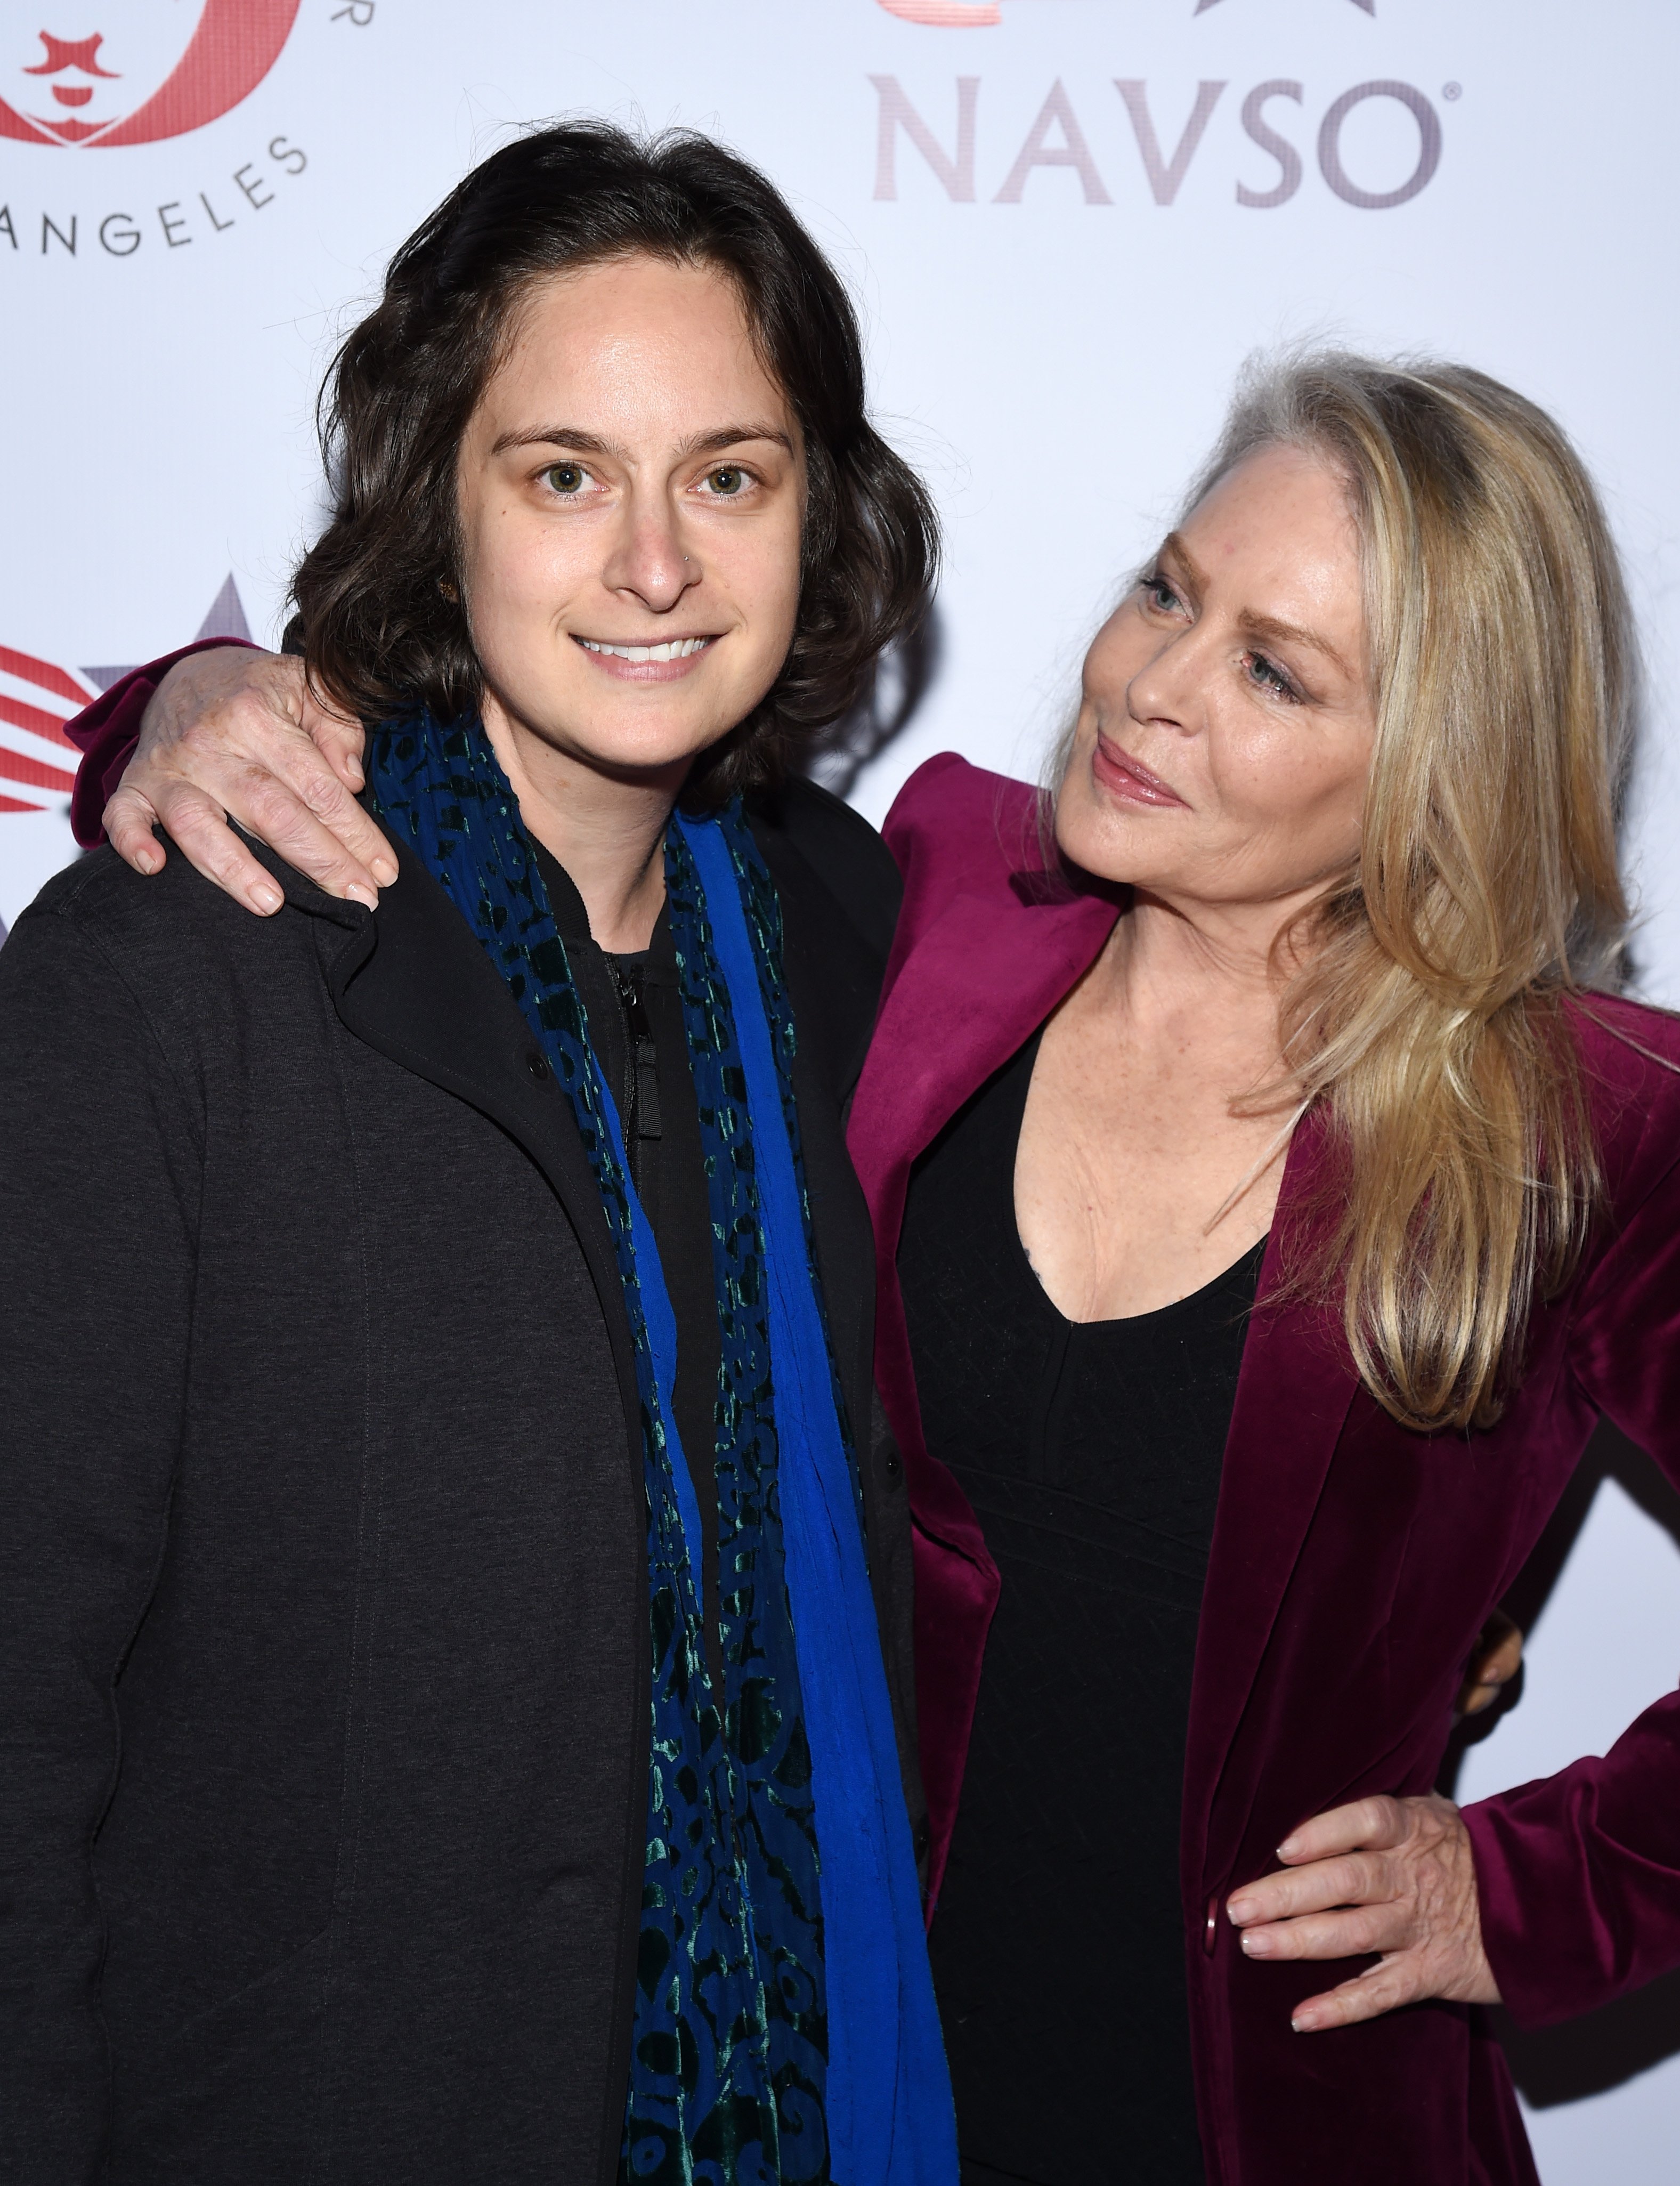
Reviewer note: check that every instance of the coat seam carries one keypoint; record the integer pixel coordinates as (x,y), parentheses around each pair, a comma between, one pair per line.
(364,1617)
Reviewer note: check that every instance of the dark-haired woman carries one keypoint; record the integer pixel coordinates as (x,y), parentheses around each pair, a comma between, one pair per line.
(453,1663)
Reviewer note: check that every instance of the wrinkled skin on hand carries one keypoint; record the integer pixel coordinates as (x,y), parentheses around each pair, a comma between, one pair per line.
(234,734)
(1394,1876)
(1391,1876)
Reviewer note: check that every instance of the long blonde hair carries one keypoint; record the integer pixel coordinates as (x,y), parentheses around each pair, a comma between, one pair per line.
(1426,1011)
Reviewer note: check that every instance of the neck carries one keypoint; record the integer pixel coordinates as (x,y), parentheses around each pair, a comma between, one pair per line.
(1213,969)
(605,826)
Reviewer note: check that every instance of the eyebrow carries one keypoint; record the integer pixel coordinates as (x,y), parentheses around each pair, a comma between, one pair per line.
(1268,628)
(592,444)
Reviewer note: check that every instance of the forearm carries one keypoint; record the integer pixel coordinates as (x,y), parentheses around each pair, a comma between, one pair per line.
(1578,1874)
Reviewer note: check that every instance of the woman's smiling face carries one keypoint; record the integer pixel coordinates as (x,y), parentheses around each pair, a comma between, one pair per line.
(1227,718)
(632,490)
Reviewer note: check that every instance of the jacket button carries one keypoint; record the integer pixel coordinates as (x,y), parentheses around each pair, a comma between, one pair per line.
(892,1464)
(537,1065)
(1210,1934)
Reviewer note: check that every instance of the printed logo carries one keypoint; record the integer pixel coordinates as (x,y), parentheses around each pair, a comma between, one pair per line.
(147,72)
(1058,138)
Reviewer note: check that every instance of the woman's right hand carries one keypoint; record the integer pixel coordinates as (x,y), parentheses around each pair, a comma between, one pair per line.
(231,733)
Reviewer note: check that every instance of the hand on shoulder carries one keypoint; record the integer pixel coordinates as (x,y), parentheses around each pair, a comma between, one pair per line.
(232,733)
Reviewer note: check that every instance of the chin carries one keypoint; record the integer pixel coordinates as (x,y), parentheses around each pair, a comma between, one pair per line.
(1111,842)
(632,754)
(638,731)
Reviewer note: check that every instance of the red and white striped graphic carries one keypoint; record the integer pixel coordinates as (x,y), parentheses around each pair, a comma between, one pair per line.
(37,760)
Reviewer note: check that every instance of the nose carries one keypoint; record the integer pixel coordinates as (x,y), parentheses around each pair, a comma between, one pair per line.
(647,562)
(1165,689)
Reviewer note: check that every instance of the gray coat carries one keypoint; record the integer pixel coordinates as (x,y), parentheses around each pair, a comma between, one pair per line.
(323,1630)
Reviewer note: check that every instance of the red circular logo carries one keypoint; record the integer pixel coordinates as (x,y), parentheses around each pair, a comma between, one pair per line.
(153,73)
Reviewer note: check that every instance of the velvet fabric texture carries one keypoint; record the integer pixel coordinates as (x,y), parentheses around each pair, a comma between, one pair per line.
(1353,1562)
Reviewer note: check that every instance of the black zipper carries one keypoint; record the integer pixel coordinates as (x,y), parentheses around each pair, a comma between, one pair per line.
(639,1093)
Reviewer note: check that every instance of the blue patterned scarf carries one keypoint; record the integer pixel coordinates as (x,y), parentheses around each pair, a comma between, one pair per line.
(784,2026)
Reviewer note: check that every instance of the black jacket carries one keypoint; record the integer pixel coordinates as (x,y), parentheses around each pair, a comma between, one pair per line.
(323,1622)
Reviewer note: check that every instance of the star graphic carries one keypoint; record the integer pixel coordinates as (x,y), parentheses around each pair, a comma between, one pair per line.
(226,619)
(1202,6)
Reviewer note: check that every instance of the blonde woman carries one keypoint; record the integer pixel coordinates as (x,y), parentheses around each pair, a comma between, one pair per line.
(1269,1197)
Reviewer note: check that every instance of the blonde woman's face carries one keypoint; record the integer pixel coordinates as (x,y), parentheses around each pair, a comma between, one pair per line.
(1227,716)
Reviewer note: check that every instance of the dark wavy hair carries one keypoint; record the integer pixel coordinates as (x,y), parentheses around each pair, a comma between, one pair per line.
(378,595)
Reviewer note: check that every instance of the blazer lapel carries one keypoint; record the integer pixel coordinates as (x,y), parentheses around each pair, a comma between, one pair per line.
(978,983)
(1293,1394)
(981,978)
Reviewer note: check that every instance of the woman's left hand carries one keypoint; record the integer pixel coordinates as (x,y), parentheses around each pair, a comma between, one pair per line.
(1392,1875)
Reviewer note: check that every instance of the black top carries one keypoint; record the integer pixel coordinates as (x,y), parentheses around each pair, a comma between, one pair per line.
(634,1011)
(1091,1454)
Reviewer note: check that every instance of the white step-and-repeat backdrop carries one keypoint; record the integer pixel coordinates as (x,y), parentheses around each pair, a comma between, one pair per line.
(1066,222)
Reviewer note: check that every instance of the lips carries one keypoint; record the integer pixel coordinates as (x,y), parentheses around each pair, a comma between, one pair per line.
(1127,778)
(675,648)
(668,661)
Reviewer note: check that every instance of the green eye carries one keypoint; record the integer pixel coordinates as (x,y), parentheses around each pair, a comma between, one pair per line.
(728,480)
(566,478)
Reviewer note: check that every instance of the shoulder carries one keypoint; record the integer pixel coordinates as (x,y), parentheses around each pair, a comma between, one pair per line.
(964,822)
(805,828)
(1630,1055)
(85,996)
(1627,1047)
(101,897)
(959,830)
(172,939)
(99,903)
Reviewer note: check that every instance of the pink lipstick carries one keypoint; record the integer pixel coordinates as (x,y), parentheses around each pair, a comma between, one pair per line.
(1123,776)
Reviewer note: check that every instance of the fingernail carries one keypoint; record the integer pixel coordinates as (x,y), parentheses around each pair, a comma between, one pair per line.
(365,896)
(266,899)
(383,872)
(1257,1943)
(1302,2025)
(1241,1910)
(1288,1848)
(353,767)
(150,862)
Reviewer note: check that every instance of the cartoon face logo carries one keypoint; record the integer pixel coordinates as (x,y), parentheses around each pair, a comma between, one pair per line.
(131,71)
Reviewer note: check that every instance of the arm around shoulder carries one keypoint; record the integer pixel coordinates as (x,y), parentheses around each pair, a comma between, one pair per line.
(107,732)
(226,732)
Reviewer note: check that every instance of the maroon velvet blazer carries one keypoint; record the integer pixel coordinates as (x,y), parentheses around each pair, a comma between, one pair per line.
(1353,1562)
